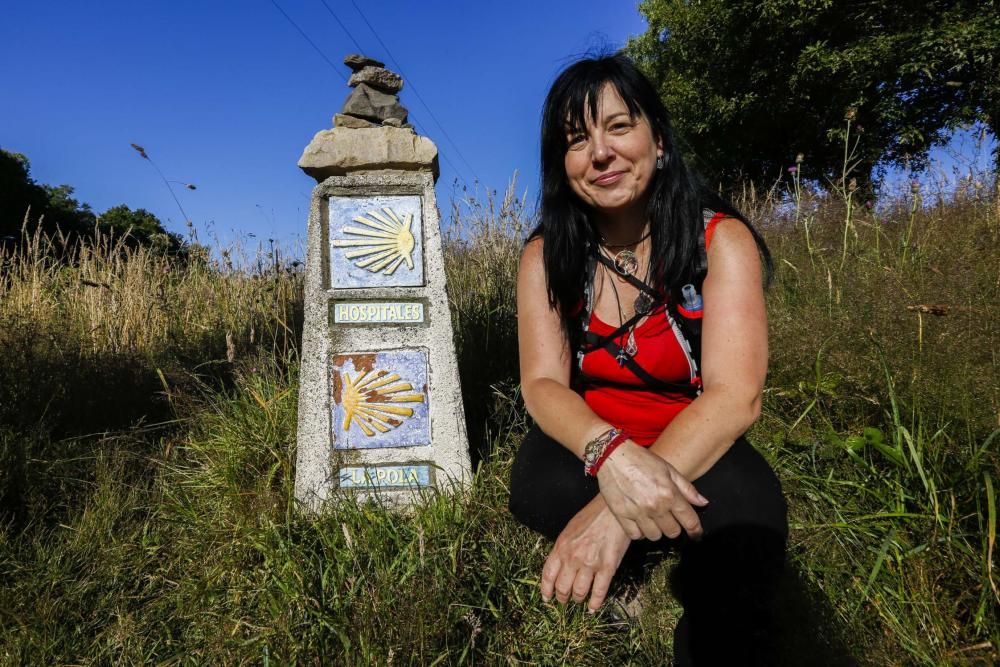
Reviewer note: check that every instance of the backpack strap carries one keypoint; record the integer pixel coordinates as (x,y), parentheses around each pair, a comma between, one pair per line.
(586,308)
(710,225)
(711,219)
(592,341)
(687,324)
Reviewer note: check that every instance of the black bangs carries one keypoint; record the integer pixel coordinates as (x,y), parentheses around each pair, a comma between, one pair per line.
(576,94)
(585,98)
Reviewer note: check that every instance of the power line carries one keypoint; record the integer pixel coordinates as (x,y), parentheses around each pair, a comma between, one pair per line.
(343,27)
(416,92)
(311,43)
(412,119)
(341,74)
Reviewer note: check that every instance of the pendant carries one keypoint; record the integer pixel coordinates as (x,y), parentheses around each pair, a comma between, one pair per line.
(643,303)
(620,357)
(626,263)
(631,348)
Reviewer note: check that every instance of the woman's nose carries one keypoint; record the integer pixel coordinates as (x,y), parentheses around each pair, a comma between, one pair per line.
(602,150)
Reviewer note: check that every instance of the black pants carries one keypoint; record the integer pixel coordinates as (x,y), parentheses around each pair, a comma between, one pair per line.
(726,581)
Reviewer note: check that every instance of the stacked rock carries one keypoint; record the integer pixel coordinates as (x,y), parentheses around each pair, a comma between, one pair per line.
(375,98)
(370,132)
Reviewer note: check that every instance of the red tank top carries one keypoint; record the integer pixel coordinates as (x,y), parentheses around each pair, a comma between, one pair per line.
(639,410)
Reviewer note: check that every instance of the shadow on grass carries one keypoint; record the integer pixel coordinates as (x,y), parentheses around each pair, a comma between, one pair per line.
(745,603)
(56,411)
(487,360)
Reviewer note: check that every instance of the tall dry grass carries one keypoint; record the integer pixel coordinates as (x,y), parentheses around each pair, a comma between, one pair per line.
(99,336)
(482,248)
(113,297)
(882,413)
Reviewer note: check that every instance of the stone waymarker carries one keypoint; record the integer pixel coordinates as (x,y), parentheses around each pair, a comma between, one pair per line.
(380,405)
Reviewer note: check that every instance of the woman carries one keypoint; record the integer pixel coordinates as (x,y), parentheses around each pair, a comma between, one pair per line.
(608,378)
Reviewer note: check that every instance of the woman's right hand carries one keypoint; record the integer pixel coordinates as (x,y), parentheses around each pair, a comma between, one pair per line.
(647,495)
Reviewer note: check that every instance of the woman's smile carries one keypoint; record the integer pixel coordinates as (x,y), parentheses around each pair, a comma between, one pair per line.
(610,178)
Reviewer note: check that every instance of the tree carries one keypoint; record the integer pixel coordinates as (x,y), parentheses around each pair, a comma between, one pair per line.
(18,192)
(53,204)
(56,209)
(753,83)
(141,227)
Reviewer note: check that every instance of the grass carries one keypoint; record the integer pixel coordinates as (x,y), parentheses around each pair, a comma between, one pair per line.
(148,439)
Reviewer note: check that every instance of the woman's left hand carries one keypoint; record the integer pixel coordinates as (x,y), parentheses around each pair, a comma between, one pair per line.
(585,557)
(649,497)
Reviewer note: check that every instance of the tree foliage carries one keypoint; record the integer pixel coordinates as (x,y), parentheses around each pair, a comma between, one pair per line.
(19,193)
(139,226)
(753,83)
(54,208)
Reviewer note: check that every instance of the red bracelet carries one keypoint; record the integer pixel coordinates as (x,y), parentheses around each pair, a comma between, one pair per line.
(608,450)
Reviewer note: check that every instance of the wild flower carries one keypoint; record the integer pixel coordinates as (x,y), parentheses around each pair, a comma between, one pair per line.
(793,170)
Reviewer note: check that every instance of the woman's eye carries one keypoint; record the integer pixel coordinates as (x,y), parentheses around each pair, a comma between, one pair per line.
(617,127)
(576,139)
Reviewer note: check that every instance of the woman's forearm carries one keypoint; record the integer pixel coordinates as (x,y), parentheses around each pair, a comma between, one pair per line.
(562,414)
(701,433)
(693,441)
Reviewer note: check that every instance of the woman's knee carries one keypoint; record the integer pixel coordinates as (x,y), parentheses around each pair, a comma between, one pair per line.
(743,493)
(547,484)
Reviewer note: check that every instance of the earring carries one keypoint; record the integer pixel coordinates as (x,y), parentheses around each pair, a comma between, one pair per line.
(659,162)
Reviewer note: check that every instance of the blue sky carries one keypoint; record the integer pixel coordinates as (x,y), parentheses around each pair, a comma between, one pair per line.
(226,94)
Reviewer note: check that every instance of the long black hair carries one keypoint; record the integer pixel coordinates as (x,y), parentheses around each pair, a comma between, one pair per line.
(678,195)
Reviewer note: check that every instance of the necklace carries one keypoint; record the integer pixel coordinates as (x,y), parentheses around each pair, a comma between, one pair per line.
(604,241)
(626,263)
(643,304)
(643,301)
(630,348)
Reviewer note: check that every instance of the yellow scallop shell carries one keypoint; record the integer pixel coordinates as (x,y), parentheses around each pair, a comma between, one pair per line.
(382,244)
(371,400)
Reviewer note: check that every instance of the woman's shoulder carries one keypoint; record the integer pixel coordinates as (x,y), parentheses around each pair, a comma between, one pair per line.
(533,250)
(732,244)
(726,227)
(531,268)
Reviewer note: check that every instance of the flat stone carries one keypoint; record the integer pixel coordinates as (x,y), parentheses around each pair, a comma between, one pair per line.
(343,120)
(344,149)
(357,61)
(394,122)
(378,78)
(370,104)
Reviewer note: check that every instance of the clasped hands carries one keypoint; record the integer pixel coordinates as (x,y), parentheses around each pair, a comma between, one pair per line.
(648,496)
(641,496)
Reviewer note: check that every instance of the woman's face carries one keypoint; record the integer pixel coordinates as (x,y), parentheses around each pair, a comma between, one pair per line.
(610,163)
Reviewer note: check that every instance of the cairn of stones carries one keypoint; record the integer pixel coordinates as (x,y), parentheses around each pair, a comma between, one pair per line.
(375,100)
(380,405)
